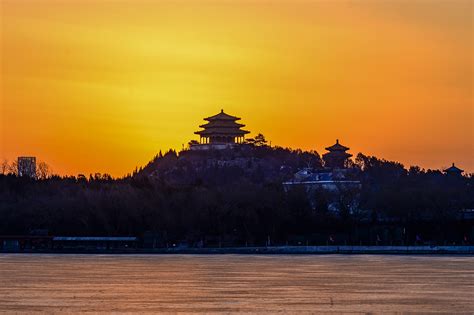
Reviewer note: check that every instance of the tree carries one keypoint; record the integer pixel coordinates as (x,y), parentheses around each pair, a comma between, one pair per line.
(13,168)
(250,141)
(192,142)
(260,140)
(4,167)
(43,171)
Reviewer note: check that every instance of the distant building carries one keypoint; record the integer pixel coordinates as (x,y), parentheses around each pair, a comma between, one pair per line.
(94,242)
(334,177)
(333,184)
(334,181)
(221,131)
(337,156)
(453,171)
(27,166)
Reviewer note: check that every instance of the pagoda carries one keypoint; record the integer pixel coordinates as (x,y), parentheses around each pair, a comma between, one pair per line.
(453,171)
(337,156)
(222,129)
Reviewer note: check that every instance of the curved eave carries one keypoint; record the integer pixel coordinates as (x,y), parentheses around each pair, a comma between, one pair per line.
(337,154)
(208,132)
(453,170)
(222,116)
(217,125)
(337,147)
(218,118)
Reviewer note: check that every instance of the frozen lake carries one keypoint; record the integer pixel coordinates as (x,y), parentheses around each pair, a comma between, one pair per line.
(153,284)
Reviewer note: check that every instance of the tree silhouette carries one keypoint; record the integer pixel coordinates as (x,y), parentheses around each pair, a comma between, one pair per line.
(236,197)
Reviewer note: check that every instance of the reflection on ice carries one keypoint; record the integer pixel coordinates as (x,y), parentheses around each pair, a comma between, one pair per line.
(228,283)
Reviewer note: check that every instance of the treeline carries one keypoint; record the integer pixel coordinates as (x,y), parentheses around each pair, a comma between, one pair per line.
(236,197)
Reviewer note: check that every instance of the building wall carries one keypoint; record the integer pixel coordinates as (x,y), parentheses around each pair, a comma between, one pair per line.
(220,146)
(27,166)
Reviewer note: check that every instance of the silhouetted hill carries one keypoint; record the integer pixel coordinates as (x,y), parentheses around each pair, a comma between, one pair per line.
(236,197)
(257,164)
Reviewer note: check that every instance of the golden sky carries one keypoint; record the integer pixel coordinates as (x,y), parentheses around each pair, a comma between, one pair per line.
(102,86)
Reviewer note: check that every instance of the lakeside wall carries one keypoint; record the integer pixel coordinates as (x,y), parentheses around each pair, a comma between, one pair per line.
(465,250)
(272,250)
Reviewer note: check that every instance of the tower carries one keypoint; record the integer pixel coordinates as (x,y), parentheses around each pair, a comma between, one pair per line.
(337,156)
(453,171)
(27,166)
(222,129)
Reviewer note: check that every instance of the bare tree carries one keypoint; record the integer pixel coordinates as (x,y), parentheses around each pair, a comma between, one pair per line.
(13,168)
(4,167)
(43,171)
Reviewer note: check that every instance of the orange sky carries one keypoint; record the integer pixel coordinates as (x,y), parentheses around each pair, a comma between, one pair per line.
(102,86)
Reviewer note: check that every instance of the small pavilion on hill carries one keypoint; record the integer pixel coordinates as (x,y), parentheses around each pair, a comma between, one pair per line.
(222,129)
(453,171)
(337,156)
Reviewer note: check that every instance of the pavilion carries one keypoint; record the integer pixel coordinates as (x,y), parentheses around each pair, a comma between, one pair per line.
(222,129)
(453,171)
(337,156)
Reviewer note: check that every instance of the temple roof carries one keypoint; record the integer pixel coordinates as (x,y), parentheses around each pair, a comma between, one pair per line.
(337,147)
(337,154)
(222,124)
(222,132)
(453,169)
(222,116)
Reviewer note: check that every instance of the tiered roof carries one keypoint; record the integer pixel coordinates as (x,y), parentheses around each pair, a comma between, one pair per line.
(338,150)
(336,156)
(454,170)
(222,116)
(337,147)
(222,124)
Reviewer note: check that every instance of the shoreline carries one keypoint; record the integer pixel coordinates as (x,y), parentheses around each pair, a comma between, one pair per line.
(271,250)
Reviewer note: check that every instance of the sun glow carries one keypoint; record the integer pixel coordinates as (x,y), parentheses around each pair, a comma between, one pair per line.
(102,86)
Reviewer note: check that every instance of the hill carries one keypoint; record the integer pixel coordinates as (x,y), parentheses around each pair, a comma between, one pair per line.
(236,197)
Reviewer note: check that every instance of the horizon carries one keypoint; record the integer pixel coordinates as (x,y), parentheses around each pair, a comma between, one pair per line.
(93,87)
(50,168)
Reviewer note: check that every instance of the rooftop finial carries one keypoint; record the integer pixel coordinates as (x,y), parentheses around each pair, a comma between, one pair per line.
(453,163)
(337,141)
(222,110)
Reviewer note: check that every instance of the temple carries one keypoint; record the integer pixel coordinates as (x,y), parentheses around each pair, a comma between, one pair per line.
(337,156)
(222,129)
(335,179)
(453,171)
